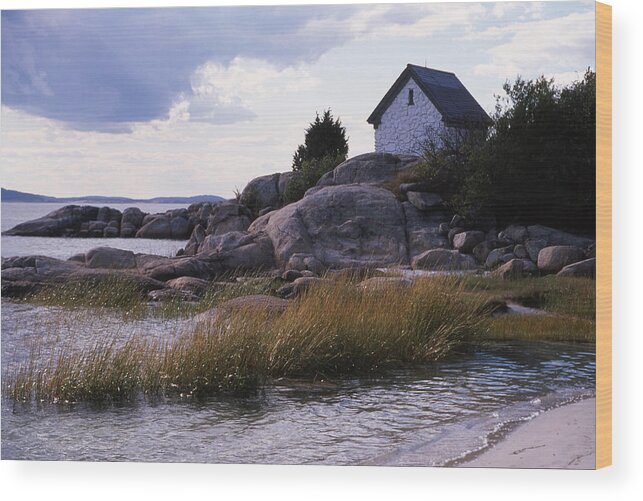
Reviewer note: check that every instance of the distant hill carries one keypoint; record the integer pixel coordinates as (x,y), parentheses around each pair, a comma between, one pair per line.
(19,196)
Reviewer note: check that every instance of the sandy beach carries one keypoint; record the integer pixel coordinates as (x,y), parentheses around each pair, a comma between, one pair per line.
(560,438)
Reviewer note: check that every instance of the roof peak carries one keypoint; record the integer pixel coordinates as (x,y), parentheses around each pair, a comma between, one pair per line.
(409,65)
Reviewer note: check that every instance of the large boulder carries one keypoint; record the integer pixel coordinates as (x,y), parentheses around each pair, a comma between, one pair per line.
(61,222)
(132,216)
(284,181)
(228,216)
(467,240)
(261,192)
(227,241)
(585,268)
(369,168)
(269,306)
(156,227)
(340,226)
(196,239)
(424,201)
(553,237)
(444,260)
(482,250)
(499,256)
(28,274)
(514,233)
(108,257)
(423,229)
(555,258)
(179,228)
(191,285)
(516,268)
(533,246)
(166,268)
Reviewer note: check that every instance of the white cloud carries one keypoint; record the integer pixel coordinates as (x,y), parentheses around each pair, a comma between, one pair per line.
(390,20)
(226,94)
(193,150)
(537,47)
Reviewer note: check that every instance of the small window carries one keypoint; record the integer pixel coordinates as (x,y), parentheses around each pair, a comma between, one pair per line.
(411,97)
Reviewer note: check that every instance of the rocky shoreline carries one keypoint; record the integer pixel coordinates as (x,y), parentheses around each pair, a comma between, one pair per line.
(351,219)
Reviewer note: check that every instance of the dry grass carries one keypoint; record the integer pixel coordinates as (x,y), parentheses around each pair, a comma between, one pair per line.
(101,292)
(557,295)
(331,331)
(542,328)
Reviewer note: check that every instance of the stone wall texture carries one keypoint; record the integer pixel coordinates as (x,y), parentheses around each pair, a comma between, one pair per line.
(404,128)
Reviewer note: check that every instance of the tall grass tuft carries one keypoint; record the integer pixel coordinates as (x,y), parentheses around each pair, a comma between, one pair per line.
(332,330)
(109,291)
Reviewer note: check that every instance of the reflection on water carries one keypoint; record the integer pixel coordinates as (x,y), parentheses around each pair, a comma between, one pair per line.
(424,416)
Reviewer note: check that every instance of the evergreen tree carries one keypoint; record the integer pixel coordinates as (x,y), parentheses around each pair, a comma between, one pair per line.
(325,136)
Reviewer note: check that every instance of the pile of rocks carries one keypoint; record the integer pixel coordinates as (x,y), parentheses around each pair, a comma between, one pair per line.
(513,252)
(350,220)
(178,224)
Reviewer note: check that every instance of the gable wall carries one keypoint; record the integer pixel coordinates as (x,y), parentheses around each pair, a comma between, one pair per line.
(403,128)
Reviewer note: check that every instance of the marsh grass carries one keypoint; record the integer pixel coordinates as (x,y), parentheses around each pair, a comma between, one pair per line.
(541,328)
(557,295)
(115,292)
(124,295)
(330,331)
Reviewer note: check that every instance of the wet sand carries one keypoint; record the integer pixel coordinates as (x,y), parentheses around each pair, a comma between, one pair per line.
(561,438)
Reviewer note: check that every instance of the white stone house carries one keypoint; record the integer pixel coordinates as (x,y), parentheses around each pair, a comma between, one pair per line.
(423,104)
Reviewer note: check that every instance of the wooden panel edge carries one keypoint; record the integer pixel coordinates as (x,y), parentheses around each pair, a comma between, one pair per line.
(603,235)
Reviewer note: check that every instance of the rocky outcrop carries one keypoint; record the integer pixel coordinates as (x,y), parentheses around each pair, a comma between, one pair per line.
(585,268)
(269,306)
(467,240)
(65,221)
(266,193)
(228,216)
(339,227)
(192,285)
(28,274)
(444,260)
(131,221)
(555,258)
(516,268)
(262,192)
(110,258)
(177,224)
(369,168)
(423,200)
(350,220)
(423,229)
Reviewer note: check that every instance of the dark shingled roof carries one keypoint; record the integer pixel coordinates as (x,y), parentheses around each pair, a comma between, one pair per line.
(454,102)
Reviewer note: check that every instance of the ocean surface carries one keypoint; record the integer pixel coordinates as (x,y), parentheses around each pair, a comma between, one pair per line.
(63,248)
(434,415)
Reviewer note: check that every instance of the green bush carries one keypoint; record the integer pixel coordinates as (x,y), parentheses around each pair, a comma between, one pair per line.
(308,174)
(537,163)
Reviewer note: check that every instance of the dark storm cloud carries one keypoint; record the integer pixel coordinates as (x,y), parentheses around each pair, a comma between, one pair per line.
(103,69)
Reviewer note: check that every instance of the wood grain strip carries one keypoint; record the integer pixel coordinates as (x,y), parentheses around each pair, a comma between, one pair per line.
(603,235)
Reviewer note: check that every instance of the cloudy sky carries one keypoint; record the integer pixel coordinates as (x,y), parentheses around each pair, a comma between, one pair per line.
(186,101)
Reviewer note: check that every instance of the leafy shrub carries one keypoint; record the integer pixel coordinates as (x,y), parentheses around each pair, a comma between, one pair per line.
(536,165)
(308,174)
